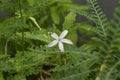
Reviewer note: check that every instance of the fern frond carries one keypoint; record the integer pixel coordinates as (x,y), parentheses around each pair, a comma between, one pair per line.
(99,17)
(109,74)
(82,13)
(116,20)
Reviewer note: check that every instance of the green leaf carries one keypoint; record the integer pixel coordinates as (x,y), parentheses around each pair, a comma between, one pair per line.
(31,2)
(69,21)
(69,25)
(76,7)
(36,36)
(55,15)
(1,76)
(85,28)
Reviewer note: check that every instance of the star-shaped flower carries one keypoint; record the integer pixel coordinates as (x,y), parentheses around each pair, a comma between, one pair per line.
(60,40)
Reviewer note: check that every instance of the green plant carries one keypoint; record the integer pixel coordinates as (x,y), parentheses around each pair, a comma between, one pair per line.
(24,37)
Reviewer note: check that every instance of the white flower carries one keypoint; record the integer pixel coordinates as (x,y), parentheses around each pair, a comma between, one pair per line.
(60,40)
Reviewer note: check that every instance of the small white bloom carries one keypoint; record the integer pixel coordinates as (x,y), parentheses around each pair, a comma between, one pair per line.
(60,40)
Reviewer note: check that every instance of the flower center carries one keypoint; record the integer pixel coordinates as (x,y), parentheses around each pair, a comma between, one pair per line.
(59,39)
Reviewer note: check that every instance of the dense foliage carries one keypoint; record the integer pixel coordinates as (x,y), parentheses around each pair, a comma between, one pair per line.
(24,37)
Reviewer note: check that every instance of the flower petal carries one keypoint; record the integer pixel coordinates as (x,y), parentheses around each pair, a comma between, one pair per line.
(67,41)
(55,36)
(63,34)
(52,43)
(61,47)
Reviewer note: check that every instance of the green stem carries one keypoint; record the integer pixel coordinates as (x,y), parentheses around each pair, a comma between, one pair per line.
(21,15)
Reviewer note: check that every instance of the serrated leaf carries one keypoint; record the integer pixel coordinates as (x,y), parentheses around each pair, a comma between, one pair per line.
(69,21)
(69,25)
(42,37)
